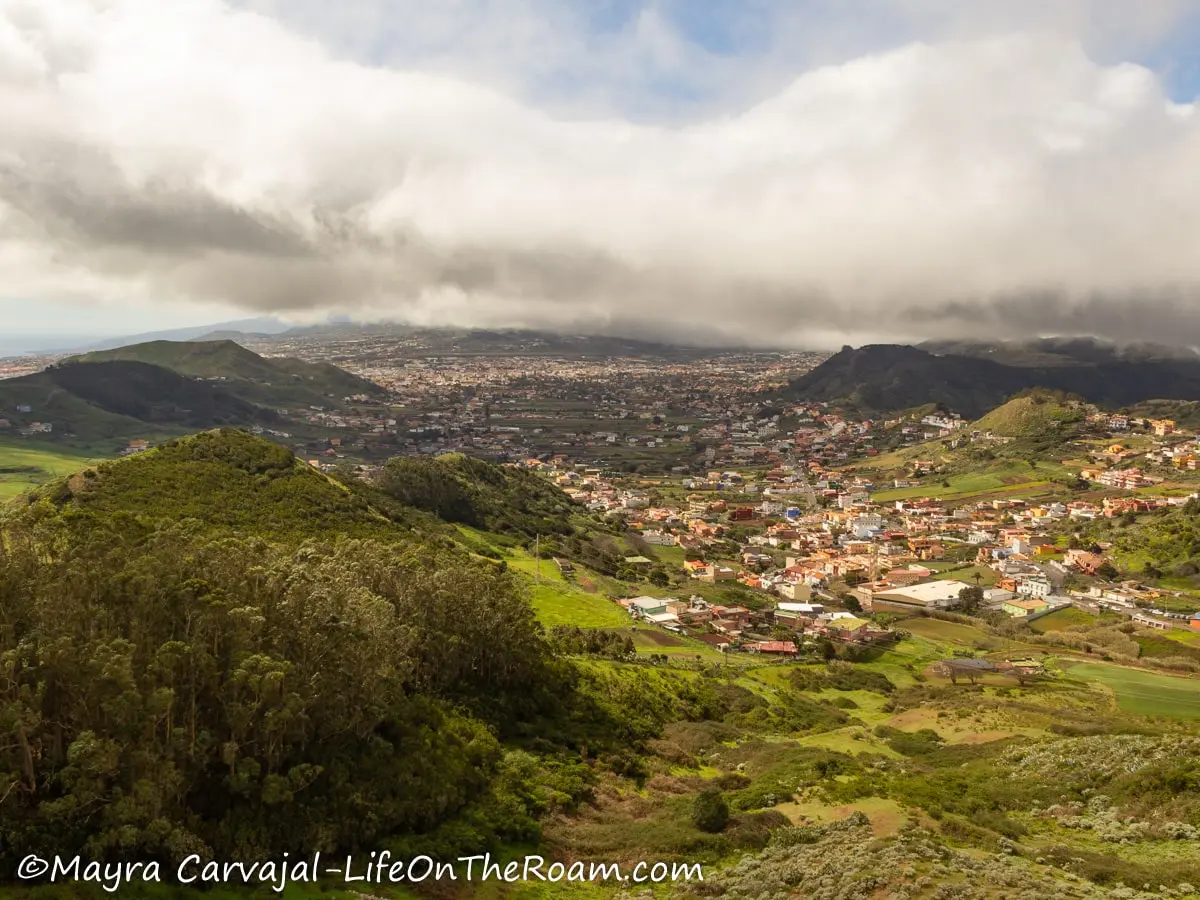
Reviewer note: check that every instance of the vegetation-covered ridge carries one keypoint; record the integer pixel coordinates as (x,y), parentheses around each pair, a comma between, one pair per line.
(170,693)
(468,491)
(1035,414)
(887,378)
(109,400)
(224,478)
(269,380)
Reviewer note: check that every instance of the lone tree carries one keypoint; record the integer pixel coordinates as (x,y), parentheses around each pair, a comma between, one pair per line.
(970,598)
(1024,676)
(710,812)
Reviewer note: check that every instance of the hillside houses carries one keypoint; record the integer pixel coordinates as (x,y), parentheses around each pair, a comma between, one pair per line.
(804,533)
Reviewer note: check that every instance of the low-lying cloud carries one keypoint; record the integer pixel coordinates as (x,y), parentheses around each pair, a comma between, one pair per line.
(1003,186)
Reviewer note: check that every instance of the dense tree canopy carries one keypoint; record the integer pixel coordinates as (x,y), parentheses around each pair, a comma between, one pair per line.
(214,649)
(469,491)
(172,693)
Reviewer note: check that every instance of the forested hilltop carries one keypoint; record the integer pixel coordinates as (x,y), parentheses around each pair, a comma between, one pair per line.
(214,649)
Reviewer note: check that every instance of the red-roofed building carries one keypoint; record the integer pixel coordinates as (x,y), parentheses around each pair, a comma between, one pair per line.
(782,648)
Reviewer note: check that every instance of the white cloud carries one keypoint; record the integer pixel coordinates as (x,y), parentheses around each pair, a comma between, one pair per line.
(185,151)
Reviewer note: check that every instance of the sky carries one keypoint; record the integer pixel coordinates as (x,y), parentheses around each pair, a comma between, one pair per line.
(800,173)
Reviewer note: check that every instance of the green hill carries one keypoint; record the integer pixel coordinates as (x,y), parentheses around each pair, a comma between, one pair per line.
(267,381)
(468,491)
(1036,414)
(185,680)
(890,377)
(1015,450)
(113,401)
(225,479)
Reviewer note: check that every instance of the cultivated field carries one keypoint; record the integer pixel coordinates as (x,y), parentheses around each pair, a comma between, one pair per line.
(25,466)
(1144,693)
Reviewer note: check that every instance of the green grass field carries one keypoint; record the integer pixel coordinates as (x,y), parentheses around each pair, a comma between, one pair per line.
(558,604)
(1144,693)
(938,630)
(1061,619)
(1000,477)
(671,556)
(987,577)
(969,487)
(1191,638)
(659,641)
(556,599)
(26,465)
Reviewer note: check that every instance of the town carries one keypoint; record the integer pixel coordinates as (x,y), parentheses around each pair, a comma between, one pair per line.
(822,551)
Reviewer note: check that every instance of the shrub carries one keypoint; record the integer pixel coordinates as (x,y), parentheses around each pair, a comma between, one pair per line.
(753,830)
(759,797)
(910,743)
(731,781)
(841,676)
(959,829)
(710,812)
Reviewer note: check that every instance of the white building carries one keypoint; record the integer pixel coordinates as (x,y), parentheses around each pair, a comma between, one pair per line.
(930,595)
(1034,587)
(943,422)
(865,522)
(659,538)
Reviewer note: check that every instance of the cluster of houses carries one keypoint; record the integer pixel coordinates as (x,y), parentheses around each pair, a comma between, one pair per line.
(801,527)
(1122,422)
(1129,479)
(888,556)
(739,628)
(27,428)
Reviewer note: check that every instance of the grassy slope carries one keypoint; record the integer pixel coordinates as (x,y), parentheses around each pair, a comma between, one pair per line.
(556,600)
(993,478)
(1063,619)
(944,631)
(225,479)
(1029,417)
(26,465)
(1037,431)
(1144,693)
(559,600)
(49,403)
(96,408)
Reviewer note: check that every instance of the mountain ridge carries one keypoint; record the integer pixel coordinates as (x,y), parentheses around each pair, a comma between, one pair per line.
(260,324)
(119,399)
(881,378)
(268,381)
